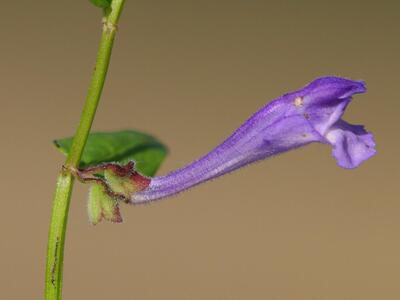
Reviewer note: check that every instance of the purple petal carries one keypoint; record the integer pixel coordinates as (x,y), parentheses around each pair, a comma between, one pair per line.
(311,114)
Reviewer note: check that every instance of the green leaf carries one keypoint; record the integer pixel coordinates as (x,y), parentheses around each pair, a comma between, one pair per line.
(120,146)
(101,3)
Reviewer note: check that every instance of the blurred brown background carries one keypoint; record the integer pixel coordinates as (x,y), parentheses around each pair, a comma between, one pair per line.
(190,72)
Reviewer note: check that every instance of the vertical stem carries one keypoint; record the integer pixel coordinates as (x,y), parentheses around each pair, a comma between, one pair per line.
(59,217)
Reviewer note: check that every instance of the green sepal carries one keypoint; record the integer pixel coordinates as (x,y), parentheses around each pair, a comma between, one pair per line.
(125,184)
(101,206)
(120,185)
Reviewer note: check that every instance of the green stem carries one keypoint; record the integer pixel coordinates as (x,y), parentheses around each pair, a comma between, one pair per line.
(59,217)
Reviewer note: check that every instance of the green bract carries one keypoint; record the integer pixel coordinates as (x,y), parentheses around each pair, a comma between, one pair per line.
(120,147)
(101,3)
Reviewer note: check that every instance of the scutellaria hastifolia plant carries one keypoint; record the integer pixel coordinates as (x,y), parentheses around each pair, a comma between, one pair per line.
(124,171)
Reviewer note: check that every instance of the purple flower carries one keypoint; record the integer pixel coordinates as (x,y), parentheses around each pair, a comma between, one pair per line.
(312,114)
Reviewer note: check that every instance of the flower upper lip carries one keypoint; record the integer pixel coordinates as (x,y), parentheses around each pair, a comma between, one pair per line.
(341,88)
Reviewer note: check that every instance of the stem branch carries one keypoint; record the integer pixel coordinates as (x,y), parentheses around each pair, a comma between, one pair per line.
(58,223)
